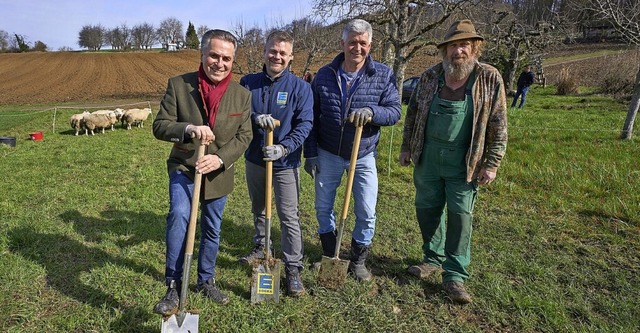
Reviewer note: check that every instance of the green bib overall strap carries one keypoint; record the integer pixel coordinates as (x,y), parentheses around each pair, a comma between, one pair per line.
(450,122)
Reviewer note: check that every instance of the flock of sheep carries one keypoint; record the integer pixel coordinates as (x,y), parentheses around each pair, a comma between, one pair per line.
(101,119)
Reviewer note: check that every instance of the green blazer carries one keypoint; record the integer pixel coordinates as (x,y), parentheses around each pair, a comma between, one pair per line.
(182,105)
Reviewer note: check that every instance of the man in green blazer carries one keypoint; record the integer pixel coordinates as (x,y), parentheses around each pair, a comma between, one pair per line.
(209,107)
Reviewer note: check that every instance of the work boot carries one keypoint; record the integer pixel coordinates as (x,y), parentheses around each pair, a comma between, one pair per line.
(423,270)
(357,256)
(455,290)
(293,281)
(328,242)
(210,290)
(168,305)
(256,254)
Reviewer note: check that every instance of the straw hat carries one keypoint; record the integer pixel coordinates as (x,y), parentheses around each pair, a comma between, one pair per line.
(460,30)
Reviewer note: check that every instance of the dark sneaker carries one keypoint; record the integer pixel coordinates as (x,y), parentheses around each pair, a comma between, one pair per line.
(423,270)
(455,290)
(210,290)
(256,254)
(359,271)
(168,305)
(293,281)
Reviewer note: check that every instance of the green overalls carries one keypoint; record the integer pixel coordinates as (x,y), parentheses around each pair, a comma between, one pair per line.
(440,178)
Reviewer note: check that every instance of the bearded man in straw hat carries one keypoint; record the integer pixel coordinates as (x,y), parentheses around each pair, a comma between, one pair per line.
(456,135)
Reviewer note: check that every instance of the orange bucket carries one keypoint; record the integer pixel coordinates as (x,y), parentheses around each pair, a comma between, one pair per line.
(37,136)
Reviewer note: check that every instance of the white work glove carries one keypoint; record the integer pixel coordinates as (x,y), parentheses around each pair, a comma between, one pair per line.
(359,117)
(275,152)
(265,121)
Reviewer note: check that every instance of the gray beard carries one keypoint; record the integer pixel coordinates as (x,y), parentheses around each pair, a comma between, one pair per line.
(458,72)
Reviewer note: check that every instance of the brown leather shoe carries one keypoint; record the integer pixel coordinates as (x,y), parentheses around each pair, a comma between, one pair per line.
(455,290)
(423,270)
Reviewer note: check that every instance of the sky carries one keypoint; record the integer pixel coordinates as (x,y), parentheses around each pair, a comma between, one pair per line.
(57,23)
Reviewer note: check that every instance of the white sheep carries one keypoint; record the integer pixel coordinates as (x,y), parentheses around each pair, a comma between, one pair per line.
(110,113)
(93,121)
(76,121)
(135,116)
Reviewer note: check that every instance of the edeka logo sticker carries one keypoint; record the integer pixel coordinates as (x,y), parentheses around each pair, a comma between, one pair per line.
(282,97)
(265,284)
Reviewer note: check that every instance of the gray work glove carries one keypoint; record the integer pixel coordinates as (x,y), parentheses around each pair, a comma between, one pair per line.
(265,121)
(359,117)
(311,166)
(272,153)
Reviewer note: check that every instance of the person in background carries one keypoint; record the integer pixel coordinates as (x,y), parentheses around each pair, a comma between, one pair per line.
(525,80)
(278,94)
(456,135)
(207,107)
(353,90)
(308,77)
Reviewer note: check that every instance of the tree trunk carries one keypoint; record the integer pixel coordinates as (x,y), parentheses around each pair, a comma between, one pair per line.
(399,66)
(627,130)
(511,67)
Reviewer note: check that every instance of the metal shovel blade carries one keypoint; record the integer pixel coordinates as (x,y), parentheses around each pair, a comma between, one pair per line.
(333,272)
(172,324)
(265,281)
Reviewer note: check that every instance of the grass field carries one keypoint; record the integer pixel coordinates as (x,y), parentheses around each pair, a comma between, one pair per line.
(555,249)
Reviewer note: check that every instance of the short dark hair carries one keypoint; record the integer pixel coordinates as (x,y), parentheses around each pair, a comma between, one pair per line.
(217,34)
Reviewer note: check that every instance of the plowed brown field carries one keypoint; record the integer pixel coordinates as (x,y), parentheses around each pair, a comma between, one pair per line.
(56,77)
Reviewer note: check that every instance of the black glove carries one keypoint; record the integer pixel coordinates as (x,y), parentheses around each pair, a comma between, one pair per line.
(311,166)
(265,121)
(359,117)
(272,153)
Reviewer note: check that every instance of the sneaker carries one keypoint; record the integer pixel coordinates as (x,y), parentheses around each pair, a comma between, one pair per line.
(210,290)
(423,270)
(256,254)
(293,281)
(455,290)
(168,305)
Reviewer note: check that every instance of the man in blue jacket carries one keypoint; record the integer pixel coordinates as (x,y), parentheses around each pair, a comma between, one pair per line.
(278,94)
(353,89)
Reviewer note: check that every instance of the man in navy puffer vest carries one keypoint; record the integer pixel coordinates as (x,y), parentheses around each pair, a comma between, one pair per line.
(353,89)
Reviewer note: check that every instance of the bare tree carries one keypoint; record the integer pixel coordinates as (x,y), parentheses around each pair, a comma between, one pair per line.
(91,37)
(201,30)
(119,38)
(170,31)
(509,40)
(143,36)
(624,15)
(251,41)
(314,38)
(406,25)
(4,40)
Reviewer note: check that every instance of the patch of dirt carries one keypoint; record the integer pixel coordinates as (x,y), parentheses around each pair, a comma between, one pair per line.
(88,77)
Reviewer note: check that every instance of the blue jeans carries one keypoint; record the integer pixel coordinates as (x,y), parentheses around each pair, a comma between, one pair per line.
(365,194)
(180,191)
(520,92)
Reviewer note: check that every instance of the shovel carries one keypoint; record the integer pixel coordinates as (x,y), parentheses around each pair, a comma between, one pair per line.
(265,280)
(184,321)
(333,271)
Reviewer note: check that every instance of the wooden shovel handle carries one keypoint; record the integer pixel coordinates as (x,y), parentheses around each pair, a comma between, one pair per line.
(269,172)
(195,201)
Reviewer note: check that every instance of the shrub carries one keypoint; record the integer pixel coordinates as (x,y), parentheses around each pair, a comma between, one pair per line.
(618,80)
(567,84)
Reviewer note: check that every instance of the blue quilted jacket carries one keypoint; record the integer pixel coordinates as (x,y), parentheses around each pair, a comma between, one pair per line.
(377,89)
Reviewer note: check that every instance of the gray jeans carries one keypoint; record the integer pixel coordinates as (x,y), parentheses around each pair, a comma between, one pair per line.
(286,188)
